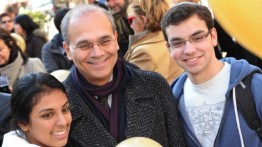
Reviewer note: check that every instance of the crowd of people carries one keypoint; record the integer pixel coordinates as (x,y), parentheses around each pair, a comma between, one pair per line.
(123,69)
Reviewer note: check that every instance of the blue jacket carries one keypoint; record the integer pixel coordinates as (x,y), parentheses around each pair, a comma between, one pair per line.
(228,135)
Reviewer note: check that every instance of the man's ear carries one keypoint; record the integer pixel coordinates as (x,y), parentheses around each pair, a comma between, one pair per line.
(116,35)
(213,33)
(67,50)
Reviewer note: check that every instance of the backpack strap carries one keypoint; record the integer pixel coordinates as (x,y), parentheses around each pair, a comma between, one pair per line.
(247,106)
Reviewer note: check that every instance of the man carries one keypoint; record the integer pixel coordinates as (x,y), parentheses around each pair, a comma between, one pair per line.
(204,91)
(110,101)
(119,10)
(7,24)
(53,53)
(5,116)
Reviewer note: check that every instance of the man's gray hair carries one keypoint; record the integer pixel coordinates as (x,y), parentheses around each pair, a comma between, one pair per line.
(79,12)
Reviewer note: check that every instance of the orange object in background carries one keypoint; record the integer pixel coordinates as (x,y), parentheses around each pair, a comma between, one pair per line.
(243,20)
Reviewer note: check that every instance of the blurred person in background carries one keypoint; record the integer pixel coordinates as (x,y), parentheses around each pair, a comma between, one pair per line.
(34,37)
(7,23)
(147,47)
(98,3)
(53,53)
(40,113)
(11,11)
(119,10)
(13,62)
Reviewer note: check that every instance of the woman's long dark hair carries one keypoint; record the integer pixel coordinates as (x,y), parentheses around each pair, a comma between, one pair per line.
(13,47)
(27,24)
(27,92)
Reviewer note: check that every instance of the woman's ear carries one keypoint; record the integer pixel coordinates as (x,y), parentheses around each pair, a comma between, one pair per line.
(23,127)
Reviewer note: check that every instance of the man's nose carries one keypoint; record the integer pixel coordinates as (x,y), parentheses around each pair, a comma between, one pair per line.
(61,120)
(96,51)
(189,47)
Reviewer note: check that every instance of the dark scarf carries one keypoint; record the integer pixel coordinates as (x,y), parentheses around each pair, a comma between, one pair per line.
(114,119)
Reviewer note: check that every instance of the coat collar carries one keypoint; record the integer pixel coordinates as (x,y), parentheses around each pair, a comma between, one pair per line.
(145,38)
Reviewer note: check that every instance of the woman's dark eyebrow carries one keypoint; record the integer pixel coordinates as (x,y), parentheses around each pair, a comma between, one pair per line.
(65,103)
(50,109)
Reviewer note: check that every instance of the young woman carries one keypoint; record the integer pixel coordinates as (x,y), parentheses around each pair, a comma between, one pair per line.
(34,37)
(13,62)
(40,112)
(147,47)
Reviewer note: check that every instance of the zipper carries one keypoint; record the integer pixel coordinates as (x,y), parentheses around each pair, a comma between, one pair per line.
(189,133)
(222,120)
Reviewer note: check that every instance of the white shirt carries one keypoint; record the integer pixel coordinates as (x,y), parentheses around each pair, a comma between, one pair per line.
(204,104)
(11,139)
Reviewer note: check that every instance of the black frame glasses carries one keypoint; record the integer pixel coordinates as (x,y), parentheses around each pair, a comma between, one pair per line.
(180,43)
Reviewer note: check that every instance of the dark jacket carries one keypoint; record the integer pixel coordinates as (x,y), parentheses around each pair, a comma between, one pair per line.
(149,111)
(34,43)
(53,55)
(5,114)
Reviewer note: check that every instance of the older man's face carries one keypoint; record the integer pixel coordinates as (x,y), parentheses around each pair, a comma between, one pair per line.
(115,6)
(93,47)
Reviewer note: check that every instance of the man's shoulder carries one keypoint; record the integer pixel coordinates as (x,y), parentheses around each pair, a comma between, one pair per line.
(179,80)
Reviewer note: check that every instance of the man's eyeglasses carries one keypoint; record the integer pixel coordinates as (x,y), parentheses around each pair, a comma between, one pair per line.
(6,21)
(195,39)
(130,19)
(103,44)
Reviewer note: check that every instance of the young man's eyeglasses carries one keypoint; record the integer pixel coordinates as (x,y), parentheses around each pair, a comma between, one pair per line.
(6,21)
(179,43)
(88,46)
(130,19)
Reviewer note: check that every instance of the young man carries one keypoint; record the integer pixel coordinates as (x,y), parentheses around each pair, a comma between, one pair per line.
(109,100)
(205,91)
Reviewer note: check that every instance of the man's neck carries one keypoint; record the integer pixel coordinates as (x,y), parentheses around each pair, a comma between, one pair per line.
(212,70)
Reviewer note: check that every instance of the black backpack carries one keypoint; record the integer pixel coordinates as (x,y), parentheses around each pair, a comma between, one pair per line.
(247,106)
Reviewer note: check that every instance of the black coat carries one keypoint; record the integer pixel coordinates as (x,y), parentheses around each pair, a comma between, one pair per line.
(34,45)
(5,114)
(150,112)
